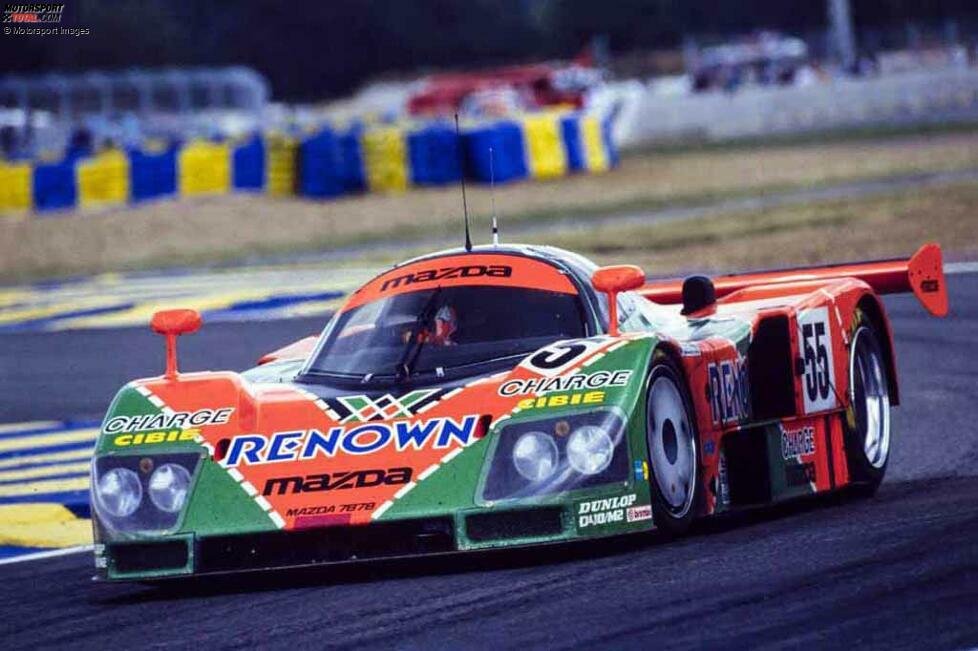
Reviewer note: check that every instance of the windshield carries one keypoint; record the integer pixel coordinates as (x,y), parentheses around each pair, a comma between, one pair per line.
(445,328)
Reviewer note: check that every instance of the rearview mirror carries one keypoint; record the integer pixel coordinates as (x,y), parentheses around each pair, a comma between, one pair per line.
(612,280)
(171,324)
(175,322)
(618,278)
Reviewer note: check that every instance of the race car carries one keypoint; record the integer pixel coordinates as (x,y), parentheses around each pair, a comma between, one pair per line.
(504,396)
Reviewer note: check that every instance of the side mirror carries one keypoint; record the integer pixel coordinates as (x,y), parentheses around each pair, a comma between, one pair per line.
(176,322)
(611,281)
(171,324)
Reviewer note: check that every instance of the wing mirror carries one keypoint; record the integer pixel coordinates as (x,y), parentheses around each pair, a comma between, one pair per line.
(171,324)
(611,281)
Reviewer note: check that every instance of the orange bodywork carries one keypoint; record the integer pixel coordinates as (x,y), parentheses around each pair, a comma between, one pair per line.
(470,269)
(284,408)
(922,273)
(300,349)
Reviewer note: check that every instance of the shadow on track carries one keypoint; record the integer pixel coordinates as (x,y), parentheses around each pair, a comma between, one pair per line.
(378,570)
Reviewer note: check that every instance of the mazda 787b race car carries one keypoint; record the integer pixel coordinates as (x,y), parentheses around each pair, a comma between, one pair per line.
(505,396)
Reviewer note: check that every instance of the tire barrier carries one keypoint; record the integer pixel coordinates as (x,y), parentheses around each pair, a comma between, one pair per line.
(385,159)
(153,171)
(16,196)
(586,140)
(103,180)
(248,164)
(434,155)
(546,149)
(54,185)
(321,163)
(204,167)
(280,179)
(352,169)
(508,160)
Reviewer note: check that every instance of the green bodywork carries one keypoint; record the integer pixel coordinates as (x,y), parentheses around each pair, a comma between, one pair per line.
(456,488)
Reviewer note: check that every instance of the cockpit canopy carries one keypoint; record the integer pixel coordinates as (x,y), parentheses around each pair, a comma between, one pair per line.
(449,314)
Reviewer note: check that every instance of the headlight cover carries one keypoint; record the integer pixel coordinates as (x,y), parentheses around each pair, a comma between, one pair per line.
(162,483)
(587,449)
(119,492)
(168,487)
(535,456)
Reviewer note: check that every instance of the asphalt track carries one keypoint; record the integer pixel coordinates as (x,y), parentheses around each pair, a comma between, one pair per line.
(75,373)
(896,571)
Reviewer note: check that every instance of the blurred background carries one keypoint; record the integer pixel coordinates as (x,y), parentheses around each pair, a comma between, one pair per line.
(198,133)
(701,135)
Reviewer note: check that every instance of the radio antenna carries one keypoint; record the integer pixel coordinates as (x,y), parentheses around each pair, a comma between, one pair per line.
(492,200)
(465,205)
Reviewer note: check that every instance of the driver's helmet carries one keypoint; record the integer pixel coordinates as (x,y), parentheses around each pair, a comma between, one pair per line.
(445,325)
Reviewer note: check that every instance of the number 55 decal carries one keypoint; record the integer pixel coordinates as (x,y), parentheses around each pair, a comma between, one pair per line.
(816,349)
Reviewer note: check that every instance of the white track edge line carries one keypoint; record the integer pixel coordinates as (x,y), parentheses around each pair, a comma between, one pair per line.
(37,556)
(961,267)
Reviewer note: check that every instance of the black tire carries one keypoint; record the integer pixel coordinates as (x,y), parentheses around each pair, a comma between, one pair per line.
(672,446)
(867,423)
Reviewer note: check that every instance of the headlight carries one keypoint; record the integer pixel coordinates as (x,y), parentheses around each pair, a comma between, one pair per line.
(535,456)
(143,493)
(168,487)
(589,450)
(556,454)
(120,492)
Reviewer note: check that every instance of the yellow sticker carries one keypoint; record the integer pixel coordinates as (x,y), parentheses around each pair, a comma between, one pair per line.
(151,438)
(563,400)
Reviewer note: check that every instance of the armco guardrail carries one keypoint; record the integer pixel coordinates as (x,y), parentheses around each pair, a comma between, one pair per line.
(919,97)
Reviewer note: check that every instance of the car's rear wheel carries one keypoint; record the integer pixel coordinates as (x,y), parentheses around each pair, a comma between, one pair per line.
(868,416)
(673,450)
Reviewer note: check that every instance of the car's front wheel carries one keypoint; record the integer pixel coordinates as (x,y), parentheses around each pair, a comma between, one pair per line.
(673,450)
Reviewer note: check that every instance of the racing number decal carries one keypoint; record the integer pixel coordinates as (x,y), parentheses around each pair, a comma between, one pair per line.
(816,361)
(560,355)
(554,359)
(816,341)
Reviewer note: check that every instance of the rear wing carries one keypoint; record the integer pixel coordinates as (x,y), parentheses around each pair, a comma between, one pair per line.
(922,274)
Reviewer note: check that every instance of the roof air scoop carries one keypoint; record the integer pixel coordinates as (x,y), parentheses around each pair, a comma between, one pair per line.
(699,294)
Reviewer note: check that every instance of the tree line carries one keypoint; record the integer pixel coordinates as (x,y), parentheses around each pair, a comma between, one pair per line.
(312,50)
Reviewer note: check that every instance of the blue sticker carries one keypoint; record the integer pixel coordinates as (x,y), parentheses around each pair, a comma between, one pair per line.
(709,447)
(639,470)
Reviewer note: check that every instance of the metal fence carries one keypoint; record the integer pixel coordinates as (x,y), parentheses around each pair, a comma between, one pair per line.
(41,113)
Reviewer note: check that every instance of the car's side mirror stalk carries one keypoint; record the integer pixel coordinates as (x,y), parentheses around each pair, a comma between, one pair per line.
(613,280)
(171,324)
